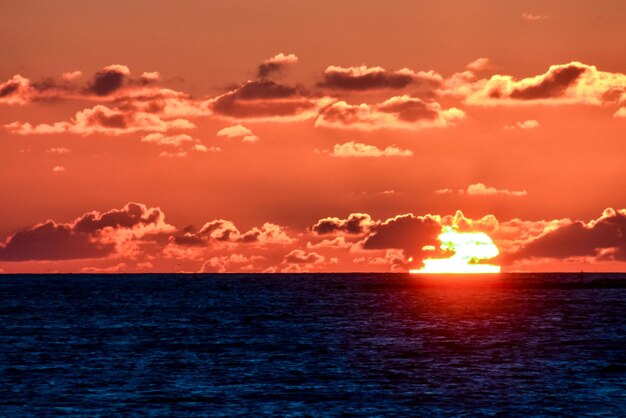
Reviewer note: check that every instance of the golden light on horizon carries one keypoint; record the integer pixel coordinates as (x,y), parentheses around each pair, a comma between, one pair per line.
(470,248)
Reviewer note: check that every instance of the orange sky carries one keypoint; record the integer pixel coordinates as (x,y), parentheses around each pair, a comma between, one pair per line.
(310,135)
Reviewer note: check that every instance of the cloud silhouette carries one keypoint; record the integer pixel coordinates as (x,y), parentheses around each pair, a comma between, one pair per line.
(266,100)
(602,239)
(408,232)
(354,224)
(372,78)
(110,79)
(93,235)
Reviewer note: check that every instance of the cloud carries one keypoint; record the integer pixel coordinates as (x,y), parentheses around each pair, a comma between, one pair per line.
(300,257)
(355,224)
(224,231)
(93,235)
(238,131)
(479,189)
(374,193)
(59,150)
(103,120)
(620,113)
(408,233)
(460,85)
(400,112)
(71,75)
(266,100)
(137,233)
(393,258)
(513,234)
(372,78)
(110,79)
(117,268)
(173,140)
(178,154)
(164,102)
(572,83)
(16,90)
(150,76)
(358,150)
(275,65)
(400,242)
(268,233)
(601,239)
(224,263)
(185,144)
(112,85)
(21,90)
(458,222)
(336,242)
(533,17)
(405,239)
(145,265)
(479,64)
(202,148)
(527,124)
(463,84)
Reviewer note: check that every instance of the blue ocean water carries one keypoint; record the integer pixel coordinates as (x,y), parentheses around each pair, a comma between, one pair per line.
(312,345)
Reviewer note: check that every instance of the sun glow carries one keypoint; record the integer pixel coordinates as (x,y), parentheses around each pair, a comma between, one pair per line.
(469,248)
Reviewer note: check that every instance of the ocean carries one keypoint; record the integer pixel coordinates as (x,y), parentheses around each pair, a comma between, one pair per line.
(313,345)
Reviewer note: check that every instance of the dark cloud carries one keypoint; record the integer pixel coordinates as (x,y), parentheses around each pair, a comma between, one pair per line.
(108,80)
(130,215)
(579,239)
(352,80)
(189,239)
(93,235)
(411,110)
(569,83)
(373,78)
(356,223)
(264,89)
(16,90)
(268,68)
(553,85)
(102,86)
(45,84)
(221,230)
(275,65)
(406,232)
(217,230)
(51,241)
(9,88)
(263,99)
(108,120)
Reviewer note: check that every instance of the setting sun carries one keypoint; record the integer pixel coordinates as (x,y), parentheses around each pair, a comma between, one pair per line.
(469,248)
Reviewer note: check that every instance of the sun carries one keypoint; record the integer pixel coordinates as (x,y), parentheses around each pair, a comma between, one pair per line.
(469,248)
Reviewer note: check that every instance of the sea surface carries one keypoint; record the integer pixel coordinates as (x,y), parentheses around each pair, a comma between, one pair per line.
(312,345)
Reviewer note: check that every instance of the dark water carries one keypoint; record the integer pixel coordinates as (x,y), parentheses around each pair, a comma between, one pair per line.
(318,345)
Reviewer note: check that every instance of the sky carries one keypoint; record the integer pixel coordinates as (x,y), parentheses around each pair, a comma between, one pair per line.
(310,136)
